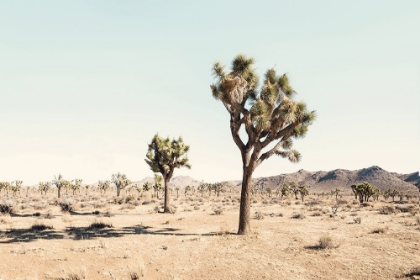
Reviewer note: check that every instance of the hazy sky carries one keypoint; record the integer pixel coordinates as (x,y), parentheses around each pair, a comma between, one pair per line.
(84,85)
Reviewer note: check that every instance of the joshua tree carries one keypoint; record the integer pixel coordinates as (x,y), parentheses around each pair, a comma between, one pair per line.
(147,186)
(177,192)
(76,186)
(16,186)
(363,190)
(58,182)
(269,191)
(303,192)
(103,186)
(336,192)
(218,187)
(44,187)
(163,156)
(120,181)
(202,188)
(157,186)
(294,188)
(186,190)
(285,190)
(270,116)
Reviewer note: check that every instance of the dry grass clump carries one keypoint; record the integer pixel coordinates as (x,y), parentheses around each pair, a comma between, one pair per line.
(66,204)
(357,220)
(218,210)
(97,224)
(413,274)
(380,230)
(326,242)
(6,206)
(259,215)
(38,226)
(298,216)
(387,209)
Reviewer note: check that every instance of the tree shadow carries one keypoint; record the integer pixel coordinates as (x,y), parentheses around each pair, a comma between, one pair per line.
(93,232)
(28,235)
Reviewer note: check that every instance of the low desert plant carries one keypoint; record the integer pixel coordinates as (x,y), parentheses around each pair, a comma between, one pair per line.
(99,225)
(326,242)
(357,220)
(40,227)
(380,230)
(218,210)
(6,206)
(66,204)
(259,215)
(298,216)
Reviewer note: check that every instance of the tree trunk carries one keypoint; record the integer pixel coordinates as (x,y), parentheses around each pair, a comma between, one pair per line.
(166,198)
(118,191)
(59,192)
(244,211)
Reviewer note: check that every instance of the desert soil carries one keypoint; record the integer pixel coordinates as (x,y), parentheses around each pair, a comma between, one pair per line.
(195,243)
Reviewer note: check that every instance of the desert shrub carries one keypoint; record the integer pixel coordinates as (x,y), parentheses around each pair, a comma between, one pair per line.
(49,215)
(259,215)
(298,216)
(146,202)
(342,202)
(418,221)
(297,202)
(97,224)
(66,204)
(40,206)
(357,220)
(353,214)
(316,214)
(265,202)
(313,203)
(129,198)
(96,212)
(280,214)
(118,200)
(354,202)
(40,227)
(326,242)
(218,210)
(84,205)
(366,204)
(134,202)
(6,206)
(36,214)
(127,207)
(380,230)
(196,207)
(387,209)
(108,214)
(334,209)
(24,206)
(406,209)
(72,276)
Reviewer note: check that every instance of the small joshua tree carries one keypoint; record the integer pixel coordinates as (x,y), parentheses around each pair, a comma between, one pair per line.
(59,183)
(103,186)
(163,156)
(120,181)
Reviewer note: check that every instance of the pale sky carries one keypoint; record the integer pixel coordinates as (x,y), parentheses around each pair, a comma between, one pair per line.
(84,85)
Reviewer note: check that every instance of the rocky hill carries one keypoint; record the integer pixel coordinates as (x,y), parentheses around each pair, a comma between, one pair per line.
(321,181)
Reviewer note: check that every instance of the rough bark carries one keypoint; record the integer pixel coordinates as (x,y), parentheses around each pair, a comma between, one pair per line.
(166,208)
(244,211)
(59,192)
(118,191)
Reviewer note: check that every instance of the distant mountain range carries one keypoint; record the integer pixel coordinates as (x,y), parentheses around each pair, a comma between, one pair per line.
(340,178)
(324,181)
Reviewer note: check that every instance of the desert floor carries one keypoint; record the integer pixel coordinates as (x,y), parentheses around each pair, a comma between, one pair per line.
(195,243)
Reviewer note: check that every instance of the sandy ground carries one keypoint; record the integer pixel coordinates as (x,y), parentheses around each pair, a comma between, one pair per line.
(194,243)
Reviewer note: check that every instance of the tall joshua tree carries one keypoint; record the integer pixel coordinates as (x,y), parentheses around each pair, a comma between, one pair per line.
(163,156)
(268,114)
